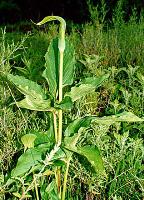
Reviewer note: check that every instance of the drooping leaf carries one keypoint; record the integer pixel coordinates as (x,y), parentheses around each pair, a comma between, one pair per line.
(27,87)
(86,86)
(35,104)
(28,140)
(65,104)
(77,92)
(92,153)
(95,81)
(51,73)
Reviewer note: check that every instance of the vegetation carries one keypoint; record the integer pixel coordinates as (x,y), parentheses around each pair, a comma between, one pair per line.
(99,155)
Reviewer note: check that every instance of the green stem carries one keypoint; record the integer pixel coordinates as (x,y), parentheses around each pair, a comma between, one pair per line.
(55,127)
(60,96)
(65,179)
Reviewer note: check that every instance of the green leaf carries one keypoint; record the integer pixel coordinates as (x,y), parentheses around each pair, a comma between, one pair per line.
(27,87)
(69,63)
(65,104)
(27,160)
(70,142)
(122,117)
(51,73)
(30,159)
(95,81)
(74,126)
(16,194)
(92,153)
(35,104)
(78,92)
(28,140)
(43,137)
(86,86)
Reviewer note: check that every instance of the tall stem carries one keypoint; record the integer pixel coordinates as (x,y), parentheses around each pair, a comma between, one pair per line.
(60,96)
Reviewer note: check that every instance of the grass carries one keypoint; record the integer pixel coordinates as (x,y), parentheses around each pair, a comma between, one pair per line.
(117,49)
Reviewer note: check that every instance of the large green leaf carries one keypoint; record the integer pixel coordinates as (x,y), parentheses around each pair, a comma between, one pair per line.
(74,126)
(35,104)
(92,153)
(51,72)
(85,87)
(69,64)
(27,160)
(27,87)
(122,117)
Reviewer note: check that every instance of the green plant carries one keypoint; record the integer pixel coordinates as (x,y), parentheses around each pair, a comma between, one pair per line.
(47,155)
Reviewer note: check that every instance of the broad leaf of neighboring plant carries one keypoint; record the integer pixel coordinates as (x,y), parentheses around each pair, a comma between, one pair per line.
(28,140)
(51,72)
(86,86)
